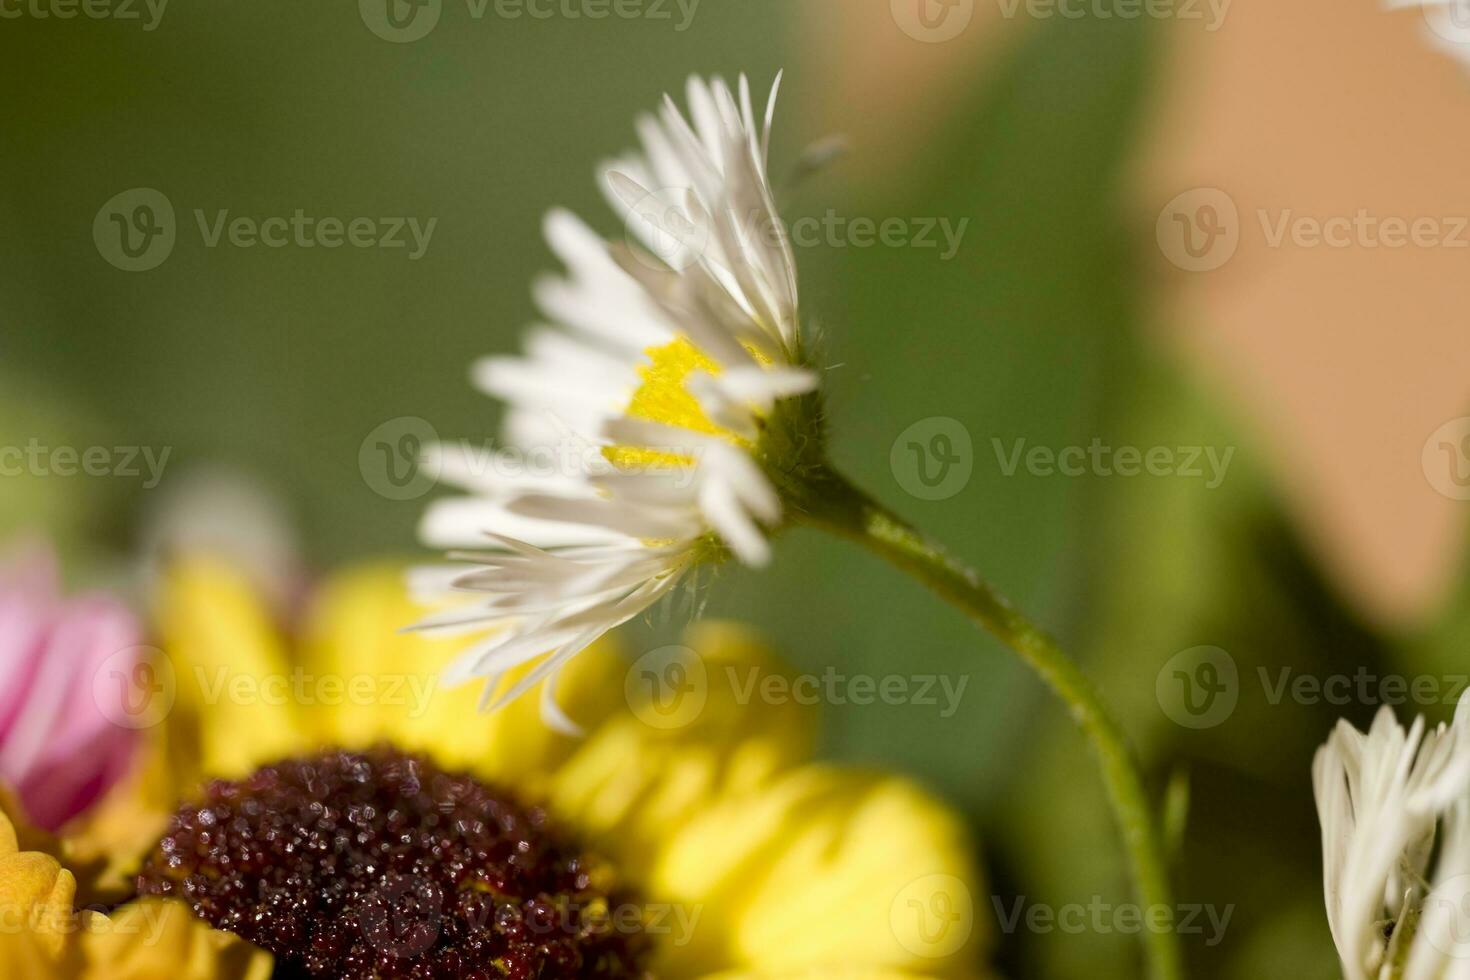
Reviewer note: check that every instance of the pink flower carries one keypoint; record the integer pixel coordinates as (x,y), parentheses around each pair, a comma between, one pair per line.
(60,748)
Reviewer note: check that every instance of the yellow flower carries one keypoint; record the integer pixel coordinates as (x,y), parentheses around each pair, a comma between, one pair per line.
(749,861)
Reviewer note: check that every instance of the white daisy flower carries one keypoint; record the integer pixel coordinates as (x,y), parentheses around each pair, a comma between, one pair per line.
(1395,814)
(648,420)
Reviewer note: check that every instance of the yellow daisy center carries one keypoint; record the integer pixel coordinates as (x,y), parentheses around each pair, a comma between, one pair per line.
(664,397)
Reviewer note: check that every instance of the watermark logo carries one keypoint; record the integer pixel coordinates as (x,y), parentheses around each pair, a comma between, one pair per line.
(400,21)
(1445,920)
(1446,459)
(933,916)
(135,687)
(1199,230)
(933,458)
(660,222)
(1199,687)
(135,230)
(1449,21)
(392,459)
(402,915)
(933,21)
(667,688)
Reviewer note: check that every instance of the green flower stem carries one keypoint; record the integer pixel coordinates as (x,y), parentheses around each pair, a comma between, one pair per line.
(828,501)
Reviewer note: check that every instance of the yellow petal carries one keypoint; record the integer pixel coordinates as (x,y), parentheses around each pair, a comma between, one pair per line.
(101,849)
(854,973)
(44,937)
(23,955)
(824,871)
(691,736)
(17,833)
(152,939)
(9,839)
(36,893)
(229,666)
(368,681)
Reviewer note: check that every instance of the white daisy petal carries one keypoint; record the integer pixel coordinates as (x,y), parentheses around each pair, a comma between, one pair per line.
(557,719)
(720,505)
(755,387)
(627,519)
(429,582)
(463,522)
(770,116)
(552,663)
(655,488)
(745,480)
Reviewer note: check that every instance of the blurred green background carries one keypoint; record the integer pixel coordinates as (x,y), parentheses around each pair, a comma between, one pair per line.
(282,361)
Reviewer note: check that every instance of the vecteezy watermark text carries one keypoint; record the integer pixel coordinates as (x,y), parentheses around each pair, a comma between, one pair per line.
(307,231)
(1210,12)
(1363,229)
(308,689)
(1102,917)
(679,13)
(833,687)
(147,12)
(669,687)
(662,222)
(833,230)
(1362,686)
(1097,458)
(128,462)
(40,918)
(405,21)
(411,912)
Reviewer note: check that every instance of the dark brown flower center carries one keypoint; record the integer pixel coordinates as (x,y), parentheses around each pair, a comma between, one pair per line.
(379,864)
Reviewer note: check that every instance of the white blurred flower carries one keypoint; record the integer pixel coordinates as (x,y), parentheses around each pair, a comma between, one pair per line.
(1448,23)
(217,510)
(1395,812)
